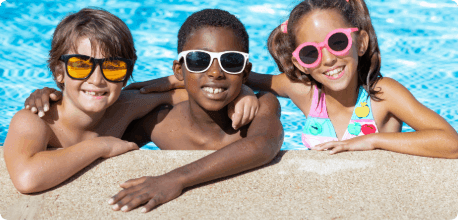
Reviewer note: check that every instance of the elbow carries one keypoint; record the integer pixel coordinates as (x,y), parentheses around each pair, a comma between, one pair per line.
(26,183)
(269,150)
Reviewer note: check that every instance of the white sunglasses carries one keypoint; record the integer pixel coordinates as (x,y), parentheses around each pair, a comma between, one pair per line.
(198,61)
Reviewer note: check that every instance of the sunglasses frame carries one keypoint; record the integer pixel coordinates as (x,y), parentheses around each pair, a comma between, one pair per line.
(95,62)
(213,55)
(321,45)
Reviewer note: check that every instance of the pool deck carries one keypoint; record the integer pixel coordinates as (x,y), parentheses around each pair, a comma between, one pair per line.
(296,184)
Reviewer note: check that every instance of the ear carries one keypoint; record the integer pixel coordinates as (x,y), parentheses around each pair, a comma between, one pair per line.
(60,77)
(246,72)
(177,70)
(363,42)
(300,67)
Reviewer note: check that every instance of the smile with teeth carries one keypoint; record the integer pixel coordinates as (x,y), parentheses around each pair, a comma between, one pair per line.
(92,93)
(213,90)
(334,73)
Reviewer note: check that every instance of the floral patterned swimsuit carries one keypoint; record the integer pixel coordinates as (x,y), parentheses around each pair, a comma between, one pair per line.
(319,129)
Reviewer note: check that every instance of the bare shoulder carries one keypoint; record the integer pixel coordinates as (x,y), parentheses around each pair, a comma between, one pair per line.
(27,129)
(391,88)
(268,104)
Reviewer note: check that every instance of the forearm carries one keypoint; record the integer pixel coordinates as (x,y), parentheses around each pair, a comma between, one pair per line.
(235,158)
(429,143)
(47,169)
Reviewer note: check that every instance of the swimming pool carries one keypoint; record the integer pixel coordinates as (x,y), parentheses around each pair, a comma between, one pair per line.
(418,42)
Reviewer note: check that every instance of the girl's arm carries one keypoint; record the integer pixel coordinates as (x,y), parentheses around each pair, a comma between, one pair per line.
(32,168)
(279,85)
(433,136)
(263,142)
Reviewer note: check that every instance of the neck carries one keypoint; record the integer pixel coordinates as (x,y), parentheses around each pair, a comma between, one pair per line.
(345,98)
(209,120)
(72,117)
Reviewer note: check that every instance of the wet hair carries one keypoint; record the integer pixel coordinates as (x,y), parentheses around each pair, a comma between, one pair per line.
(211,18)
(281,45)
(104,30)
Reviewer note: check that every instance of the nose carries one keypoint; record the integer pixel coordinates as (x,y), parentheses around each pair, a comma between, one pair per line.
(96,77)
(327,58)
(215,71)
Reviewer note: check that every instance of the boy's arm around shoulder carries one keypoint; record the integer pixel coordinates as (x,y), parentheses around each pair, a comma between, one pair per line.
(433,136)
(133,104)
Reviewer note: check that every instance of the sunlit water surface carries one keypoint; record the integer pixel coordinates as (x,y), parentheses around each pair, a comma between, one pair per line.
(418,41)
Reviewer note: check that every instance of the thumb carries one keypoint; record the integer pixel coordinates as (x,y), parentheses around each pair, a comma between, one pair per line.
(132,182)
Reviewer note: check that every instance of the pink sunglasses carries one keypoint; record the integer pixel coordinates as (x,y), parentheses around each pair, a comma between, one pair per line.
(338,42)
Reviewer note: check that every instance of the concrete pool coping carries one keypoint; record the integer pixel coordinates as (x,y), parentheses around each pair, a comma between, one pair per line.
(296,184)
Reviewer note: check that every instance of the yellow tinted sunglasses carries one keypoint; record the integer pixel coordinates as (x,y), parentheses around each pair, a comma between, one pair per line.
(81,67)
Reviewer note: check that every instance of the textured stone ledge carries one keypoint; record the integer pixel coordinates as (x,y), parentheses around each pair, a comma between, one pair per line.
(297,184)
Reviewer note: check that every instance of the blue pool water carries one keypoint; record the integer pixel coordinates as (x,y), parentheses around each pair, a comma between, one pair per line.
(418,41)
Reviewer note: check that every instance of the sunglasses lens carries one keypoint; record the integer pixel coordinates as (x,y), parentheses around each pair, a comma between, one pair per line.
(78,67)
(232,62)
(115,70)
(338,42)
(197,61)
(308,54)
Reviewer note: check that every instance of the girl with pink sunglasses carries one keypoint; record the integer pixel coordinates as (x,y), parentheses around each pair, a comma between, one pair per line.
(330,59)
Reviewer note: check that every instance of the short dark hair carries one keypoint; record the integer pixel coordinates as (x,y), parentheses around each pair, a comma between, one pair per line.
(212,18)
(103,29)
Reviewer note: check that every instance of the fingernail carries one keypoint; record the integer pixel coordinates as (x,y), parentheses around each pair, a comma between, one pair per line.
(41,114)
(110,201)
(46,108)
(27,106)
(142,90)
(124,208)
(143,210)
(34,109)
(115,207)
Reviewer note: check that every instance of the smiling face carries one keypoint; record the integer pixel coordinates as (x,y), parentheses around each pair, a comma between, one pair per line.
(214,88)
(93,94)
(334,72)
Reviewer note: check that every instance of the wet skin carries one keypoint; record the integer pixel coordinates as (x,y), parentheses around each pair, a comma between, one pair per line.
(85,127)
(201,123)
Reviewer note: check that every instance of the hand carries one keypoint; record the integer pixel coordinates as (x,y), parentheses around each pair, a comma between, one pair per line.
(38,101)
(115,146)
(163,84)
(150,190)
(243,109)
(353,144)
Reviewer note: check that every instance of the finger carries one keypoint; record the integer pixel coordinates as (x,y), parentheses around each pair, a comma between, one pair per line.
(123,194)
(246,115)
(338,149)
(138,198)
(56,95)
(45,95)
(26,103)
(132,182)
(39,106)
(155,201)
(325,146)
(236,120)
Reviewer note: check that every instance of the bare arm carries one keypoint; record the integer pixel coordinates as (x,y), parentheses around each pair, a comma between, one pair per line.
(279,85)
(433,136)
(32,168)
(263,142)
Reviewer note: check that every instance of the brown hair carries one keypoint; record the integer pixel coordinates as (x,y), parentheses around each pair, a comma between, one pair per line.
(103,29)
(281,45)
